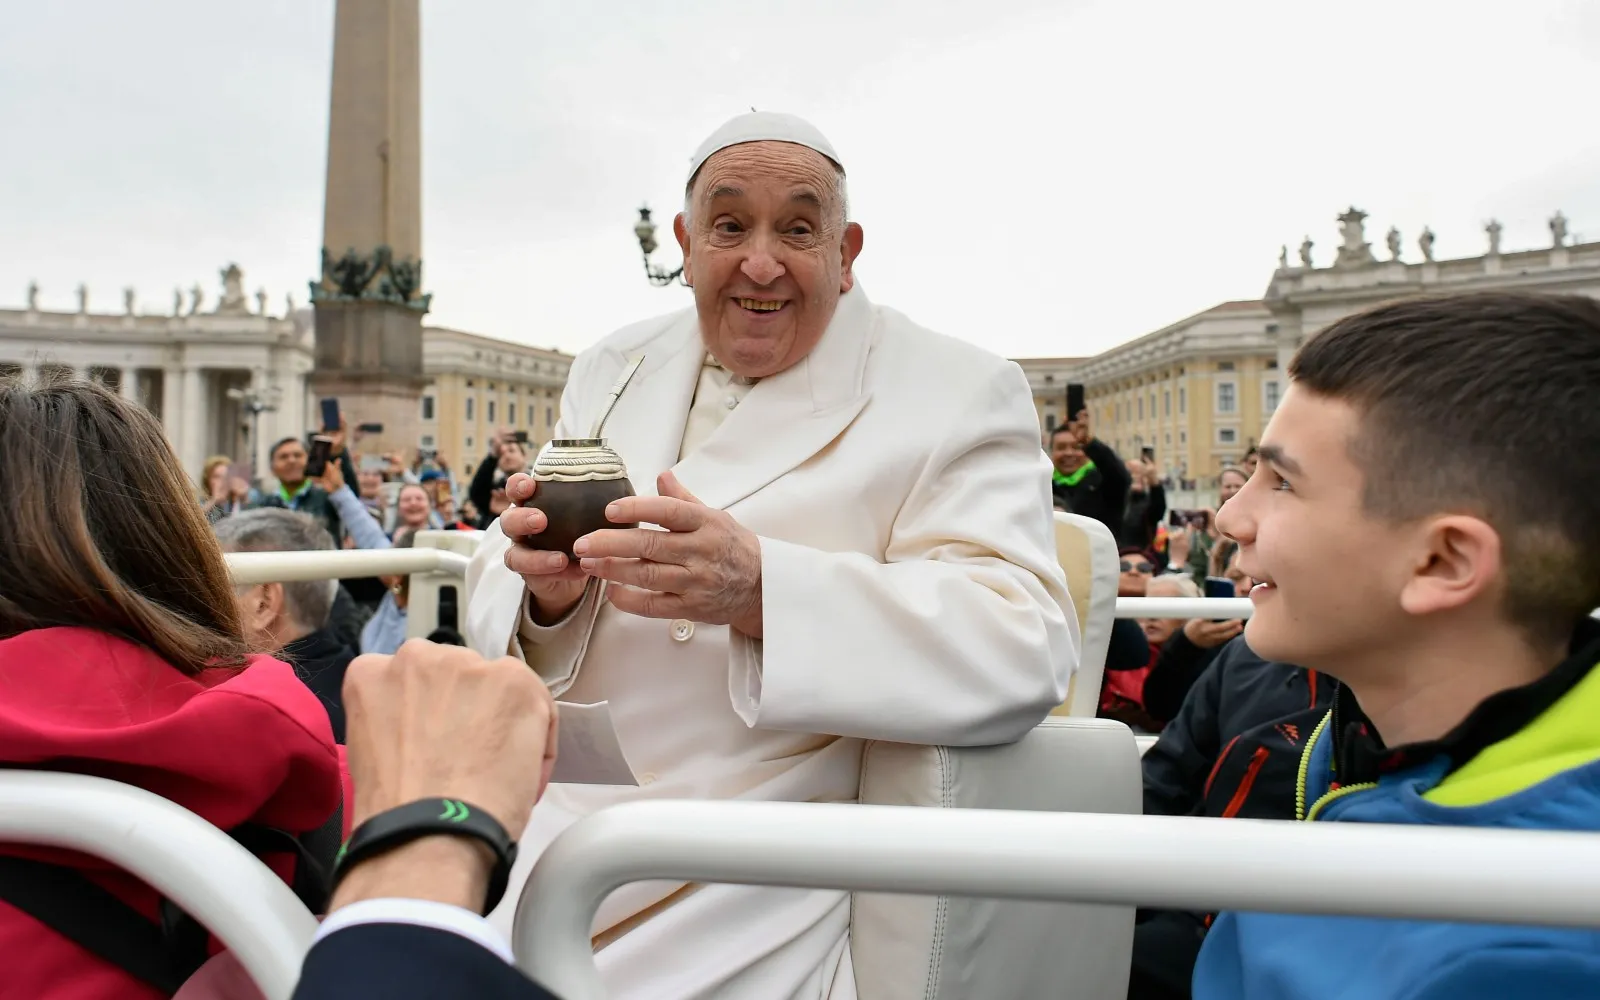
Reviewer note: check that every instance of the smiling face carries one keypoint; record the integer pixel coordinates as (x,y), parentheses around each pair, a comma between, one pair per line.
(768,252)
(414,505)
(1136,572)
(1231,482)
(1065,452)
(289,463)
(1330,575)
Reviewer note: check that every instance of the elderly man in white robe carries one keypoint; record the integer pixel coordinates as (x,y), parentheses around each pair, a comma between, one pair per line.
(857,545)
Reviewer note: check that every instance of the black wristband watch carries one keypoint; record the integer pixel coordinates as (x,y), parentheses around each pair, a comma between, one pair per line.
(428,818)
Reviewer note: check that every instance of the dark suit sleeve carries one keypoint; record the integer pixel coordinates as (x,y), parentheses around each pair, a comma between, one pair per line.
(1176,768)
(482,485)
(1175,671)
(1114,474)
(1156,508)
(381,961)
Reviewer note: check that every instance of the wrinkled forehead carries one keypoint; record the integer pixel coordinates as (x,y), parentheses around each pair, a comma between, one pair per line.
(768,167)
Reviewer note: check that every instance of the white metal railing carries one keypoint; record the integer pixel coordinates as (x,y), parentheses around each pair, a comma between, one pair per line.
(1421,873)
(286,567)
(1184,607)
(175,852)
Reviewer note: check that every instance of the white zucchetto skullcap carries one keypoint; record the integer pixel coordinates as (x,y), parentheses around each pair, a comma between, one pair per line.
(764,126)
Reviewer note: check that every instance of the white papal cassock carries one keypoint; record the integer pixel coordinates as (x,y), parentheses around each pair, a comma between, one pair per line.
(910,590)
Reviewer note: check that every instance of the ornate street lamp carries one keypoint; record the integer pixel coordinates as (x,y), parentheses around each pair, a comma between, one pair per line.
(645,230)
(254,401)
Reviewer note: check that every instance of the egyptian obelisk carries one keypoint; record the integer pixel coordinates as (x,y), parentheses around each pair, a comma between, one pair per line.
(369,300)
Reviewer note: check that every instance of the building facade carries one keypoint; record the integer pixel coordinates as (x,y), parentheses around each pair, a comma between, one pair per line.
(1199,393)
(1196,393)
(1048,378)
(198,370)
(477,384)
(231,380)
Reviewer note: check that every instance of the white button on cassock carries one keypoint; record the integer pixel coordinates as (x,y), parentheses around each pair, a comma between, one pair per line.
(682,629)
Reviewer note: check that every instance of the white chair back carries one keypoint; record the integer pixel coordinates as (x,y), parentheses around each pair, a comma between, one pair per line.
(955,947)
(1088,554)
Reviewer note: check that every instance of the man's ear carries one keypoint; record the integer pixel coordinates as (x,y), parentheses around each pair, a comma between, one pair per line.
(681,230)
(849,249)
(1459,560)
(262,604)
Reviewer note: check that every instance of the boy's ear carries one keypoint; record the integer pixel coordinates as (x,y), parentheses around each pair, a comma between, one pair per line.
(1459,560)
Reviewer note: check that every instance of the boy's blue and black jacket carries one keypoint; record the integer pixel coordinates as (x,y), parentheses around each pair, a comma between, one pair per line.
(1527,758)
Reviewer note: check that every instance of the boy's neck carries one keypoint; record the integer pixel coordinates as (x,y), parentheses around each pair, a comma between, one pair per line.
(1418,691)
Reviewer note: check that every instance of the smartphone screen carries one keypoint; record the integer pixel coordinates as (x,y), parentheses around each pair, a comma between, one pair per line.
(1175,518)
(522,437)
(330,414)
(317,458)
(1148,454)
(1220,586)
(1075,402)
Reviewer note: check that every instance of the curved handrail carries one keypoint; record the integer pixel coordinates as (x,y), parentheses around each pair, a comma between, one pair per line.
(177,853)
(332,564)
(1427,873)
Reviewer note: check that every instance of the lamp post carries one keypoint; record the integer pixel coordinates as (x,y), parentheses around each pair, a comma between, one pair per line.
(645,230)
(255,401)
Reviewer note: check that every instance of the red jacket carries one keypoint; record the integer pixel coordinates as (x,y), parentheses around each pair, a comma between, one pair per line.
(252,745)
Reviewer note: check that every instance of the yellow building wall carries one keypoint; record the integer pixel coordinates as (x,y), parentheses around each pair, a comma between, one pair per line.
(1176,409)
(463,433)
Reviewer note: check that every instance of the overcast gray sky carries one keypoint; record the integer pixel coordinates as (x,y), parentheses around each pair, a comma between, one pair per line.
(1043,177)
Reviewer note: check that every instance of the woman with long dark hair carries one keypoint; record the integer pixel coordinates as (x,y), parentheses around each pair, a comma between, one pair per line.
(122,656)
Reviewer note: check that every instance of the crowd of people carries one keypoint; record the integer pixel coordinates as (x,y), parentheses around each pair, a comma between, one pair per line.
(1151,664)
(321,626)
(814,572)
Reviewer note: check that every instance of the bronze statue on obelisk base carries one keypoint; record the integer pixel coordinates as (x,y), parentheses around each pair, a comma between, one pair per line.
(369,301)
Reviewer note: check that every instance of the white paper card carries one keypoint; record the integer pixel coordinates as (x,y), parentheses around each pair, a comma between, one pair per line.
(588,751)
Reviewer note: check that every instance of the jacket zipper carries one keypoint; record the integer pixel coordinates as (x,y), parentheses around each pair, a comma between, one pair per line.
(1300,811)
(1246,783)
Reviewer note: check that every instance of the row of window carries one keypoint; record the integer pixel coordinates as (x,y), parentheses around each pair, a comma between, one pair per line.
(489,411)
(1225,436)
(1227,401)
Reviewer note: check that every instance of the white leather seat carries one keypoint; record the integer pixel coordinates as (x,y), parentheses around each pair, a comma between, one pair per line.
(180,855)
(945,948)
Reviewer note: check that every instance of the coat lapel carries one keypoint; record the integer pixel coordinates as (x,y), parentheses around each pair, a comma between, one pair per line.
(646,428)
(785,418)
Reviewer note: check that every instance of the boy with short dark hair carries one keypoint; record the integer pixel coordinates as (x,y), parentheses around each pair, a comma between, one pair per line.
(1422,527)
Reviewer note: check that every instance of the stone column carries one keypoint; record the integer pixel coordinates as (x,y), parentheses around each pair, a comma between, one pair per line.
(128,383)
(172,406)
(195,414)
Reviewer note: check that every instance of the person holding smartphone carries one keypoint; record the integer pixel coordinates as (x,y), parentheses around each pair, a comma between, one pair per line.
(507,457)
(1089,478)
(296,473)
